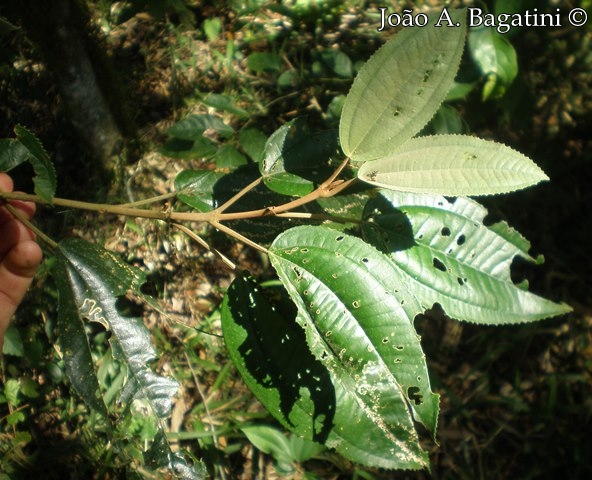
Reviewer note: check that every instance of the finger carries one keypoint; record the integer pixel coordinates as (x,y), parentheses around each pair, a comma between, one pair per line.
(17,271)
(16,274)
(6,184)
(28,208)
(13,232)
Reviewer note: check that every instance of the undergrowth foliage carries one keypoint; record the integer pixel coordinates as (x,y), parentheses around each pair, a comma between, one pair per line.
(332,353)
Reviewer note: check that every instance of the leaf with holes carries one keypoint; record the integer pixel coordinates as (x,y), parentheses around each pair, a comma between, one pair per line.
(450,257)
(263,340)
(91,280)
(400,88)
(295,159)
(357,314)
(453,165)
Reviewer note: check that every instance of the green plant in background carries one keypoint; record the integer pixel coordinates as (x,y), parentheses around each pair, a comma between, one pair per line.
(331,350)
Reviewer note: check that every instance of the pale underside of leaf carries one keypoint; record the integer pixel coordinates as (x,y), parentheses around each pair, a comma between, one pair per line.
(400,88)
(453,165)
(450,257)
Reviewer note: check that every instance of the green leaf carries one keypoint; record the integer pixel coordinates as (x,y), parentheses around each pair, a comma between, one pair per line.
(229,157)
(201,147)
(45,176)
(287,451)
(446,121)
(453,165)
(261,229)
(318,398)
(299,394)
(496,58)
(459,90)
(364,338)
(12,392)
(272,442)
(261,62)
(91,282)
(224,103)
(253,142)
(13,343)
(338,62)
(450,257)
(193,127)
(400,88)
(12,154)
(296,159)
(289,79)
(73,340)
(212,28)
(196,188)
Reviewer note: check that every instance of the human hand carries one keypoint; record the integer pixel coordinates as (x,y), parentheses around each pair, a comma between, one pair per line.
(20,256)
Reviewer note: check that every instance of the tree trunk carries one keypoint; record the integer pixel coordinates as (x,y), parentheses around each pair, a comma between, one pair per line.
(61,30)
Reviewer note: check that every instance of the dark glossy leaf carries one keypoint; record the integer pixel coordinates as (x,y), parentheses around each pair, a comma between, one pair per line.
(159,456)
(45,176)
(72,337)
(12,154)
(296,159)
(450,257)
(358,315)
(92,281)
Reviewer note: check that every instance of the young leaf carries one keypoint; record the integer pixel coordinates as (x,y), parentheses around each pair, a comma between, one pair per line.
(45,176)
(450,257)
(400,88)
(365,339)
(295,159)
(452,165)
